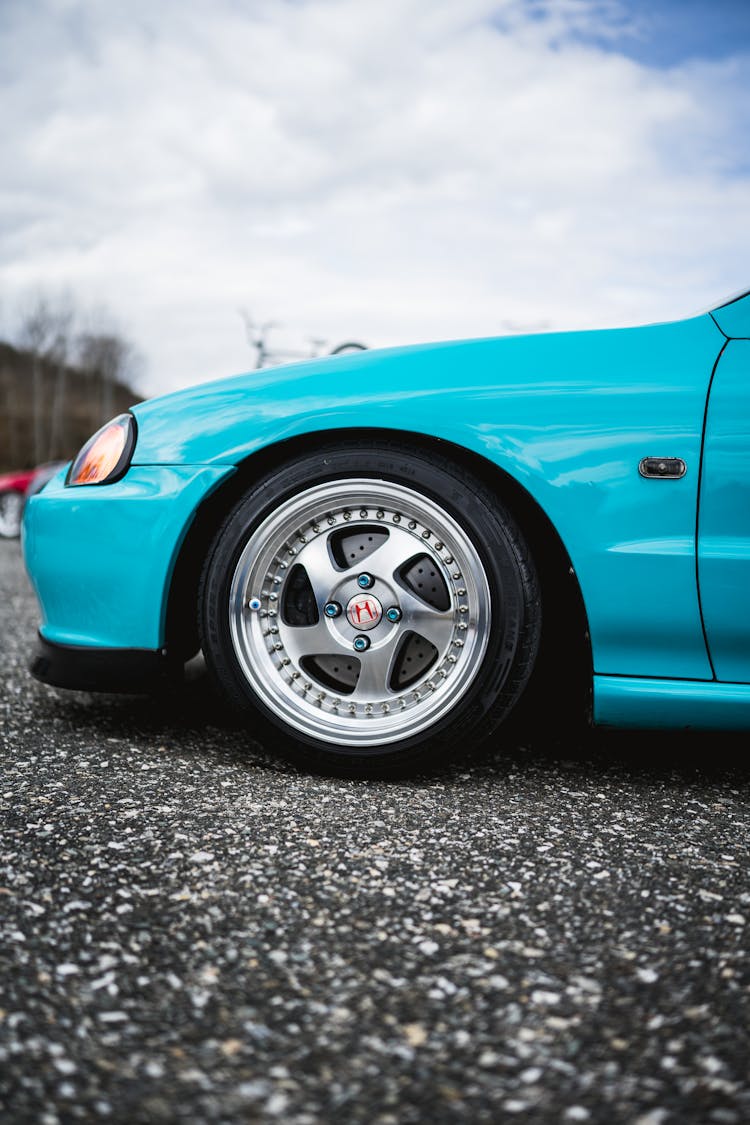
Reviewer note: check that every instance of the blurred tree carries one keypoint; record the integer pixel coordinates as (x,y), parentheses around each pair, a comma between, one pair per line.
(67,374)
(45,332)
(109,358)
(59,357)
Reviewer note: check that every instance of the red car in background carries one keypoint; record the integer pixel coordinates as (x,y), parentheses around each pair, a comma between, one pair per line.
(15,488)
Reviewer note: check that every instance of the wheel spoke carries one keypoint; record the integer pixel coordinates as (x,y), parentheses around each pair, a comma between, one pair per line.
(310,640)
(375,673)
(391,555)
(316,560)
(434,625)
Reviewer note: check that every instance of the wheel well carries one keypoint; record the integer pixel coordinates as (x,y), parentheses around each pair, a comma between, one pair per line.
(563,672)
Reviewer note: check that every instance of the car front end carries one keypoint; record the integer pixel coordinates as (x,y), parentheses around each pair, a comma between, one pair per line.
(100,544)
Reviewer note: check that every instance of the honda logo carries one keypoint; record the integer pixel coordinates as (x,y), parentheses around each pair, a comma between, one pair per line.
(364,612)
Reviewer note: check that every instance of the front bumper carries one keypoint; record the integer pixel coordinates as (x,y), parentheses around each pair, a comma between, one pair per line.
(101,557)
(83,668)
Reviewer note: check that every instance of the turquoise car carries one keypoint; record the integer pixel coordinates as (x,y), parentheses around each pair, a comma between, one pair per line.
(378,554)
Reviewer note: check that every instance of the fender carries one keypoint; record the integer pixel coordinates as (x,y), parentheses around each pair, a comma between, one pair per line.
(568,415)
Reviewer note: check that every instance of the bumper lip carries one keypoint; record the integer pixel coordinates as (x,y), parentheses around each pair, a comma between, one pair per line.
(132,671)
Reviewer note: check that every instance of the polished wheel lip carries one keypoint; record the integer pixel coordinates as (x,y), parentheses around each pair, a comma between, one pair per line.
(269,652)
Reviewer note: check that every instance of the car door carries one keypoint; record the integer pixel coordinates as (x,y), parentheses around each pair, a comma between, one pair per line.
(724,515)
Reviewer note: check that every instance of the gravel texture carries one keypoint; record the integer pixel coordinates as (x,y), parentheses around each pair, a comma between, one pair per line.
(191,931)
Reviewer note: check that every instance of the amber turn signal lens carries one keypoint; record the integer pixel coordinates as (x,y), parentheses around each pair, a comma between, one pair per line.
(106,455)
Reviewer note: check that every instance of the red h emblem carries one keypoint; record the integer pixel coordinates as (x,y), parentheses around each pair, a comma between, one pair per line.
(364,610)
(364,613)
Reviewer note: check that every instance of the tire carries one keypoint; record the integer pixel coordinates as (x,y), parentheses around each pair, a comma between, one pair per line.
(11,511)
(371,609)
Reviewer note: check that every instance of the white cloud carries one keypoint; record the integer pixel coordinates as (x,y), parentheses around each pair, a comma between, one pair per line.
(396,171)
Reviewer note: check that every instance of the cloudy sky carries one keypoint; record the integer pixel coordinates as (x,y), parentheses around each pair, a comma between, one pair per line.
(386,170)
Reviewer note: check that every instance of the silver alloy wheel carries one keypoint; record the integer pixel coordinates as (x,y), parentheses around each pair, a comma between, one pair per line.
(11,510)
(314,671)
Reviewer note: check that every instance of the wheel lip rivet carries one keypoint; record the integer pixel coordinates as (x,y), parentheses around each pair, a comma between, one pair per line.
(361,643)
(332,609)
(365,581)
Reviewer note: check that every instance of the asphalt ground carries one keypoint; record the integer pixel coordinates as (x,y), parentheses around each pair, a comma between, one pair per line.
(191,931)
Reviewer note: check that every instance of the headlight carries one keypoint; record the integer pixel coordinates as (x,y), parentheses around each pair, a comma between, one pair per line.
(105,456)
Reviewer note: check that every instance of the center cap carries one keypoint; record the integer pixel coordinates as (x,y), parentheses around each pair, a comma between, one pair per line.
(364,611)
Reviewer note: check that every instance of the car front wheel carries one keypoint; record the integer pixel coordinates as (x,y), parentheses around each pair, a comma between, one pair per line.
(373,608)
